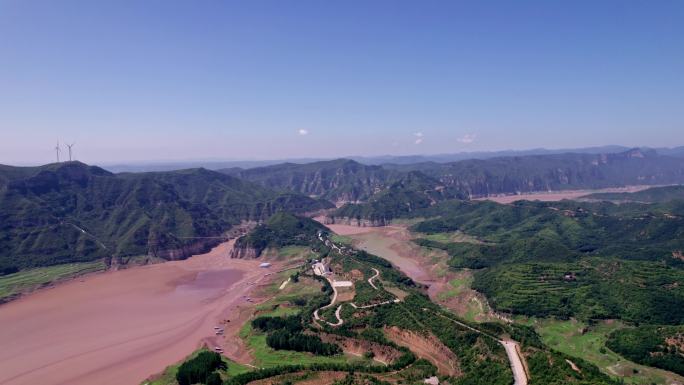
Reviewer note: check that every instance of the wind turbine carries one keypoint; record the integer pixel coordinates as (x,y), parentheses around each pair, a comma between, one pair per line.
(70,145)
(57,150)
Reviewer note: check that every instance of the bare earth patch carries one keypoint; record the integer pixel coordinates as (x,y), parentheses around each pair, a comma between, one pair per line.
(553,196)
(428,347)
(357,347)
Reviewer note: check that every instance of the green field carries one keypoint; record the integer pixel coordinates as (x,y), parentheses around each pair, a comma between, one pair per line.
(341,239)
(568,337)
(457,286)
(27,280)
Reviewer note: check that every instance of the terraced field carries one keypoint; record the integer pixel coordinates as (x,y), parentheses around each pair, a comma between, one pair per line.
(646,292)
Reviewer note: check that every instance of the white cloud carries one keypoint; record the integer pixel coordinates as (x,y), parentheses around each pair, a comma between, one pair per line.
(419,137)
(466,139)
(419,140)
(418,134)
(302,131)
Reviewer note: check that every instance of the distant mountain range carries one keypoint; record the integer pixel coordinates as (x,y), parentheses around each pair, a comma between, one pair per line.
(374,160)
(69,212)
(345,180)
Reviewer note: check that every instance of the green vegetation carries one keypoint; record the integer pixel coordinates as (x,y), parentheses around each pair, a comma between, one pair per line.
(280,230)
(285,333)
(579,339)
(202,369)
(658,346)
(457,286)
(589,260)
(412,192)
(283,340)
(651,195)
(592,288)
(168,376)
(70,212)
(558,231)
(341,239)
(12,285)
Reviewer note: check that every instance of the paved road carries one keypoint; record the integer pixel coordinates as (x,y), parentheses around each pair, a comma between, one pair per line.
(517,367)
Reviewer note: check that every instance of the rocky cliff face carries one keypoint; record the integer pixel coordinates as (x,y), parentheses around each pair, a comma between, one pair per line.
(245,252)
(360,222)
(185,251)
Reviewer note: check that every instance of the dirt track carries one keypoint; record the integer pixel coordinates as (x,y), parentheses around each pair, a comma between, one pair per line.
(119,327)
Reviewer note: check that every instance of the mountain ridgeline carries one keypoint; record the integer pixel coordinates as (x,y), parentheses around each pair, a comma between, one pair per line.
(71,212)
(340,180)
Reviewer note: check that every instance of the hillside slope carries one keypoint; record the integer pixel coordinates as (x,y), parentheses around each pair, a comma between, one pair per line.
(71,212)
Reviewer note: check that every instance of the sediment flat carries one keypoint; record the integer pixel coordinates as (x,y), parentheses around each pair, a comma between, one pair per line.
(118,327)
(554,196)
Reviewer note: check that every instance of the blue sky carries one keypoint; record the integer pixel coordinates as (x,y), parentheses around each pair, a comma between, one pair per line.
(151,80)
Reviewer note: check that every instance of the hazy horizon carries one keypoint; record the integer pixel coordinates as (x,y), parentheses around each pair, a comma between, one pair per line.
(170,81)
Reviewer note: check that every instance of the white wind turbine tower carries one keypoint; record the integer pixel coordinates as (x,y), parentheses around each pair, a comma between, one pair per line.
(57,150)
(70,146)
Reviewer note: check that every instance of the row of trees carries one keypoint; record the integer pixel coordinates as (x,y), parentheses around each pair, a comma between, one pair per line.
(284,340)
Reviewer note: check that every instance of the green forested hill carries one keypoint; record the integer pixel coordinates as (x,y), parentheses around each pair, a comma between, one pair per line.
(71,212)
(651,195)
(559,231)
(659,346)
(570,259)
(282,229)
(336,180)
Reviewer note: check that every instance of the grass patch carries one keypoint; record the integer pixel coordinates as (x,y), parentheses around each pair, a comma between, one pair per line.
(292,252)
(266,357)
(568,337)
(24,281)
(347,241)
